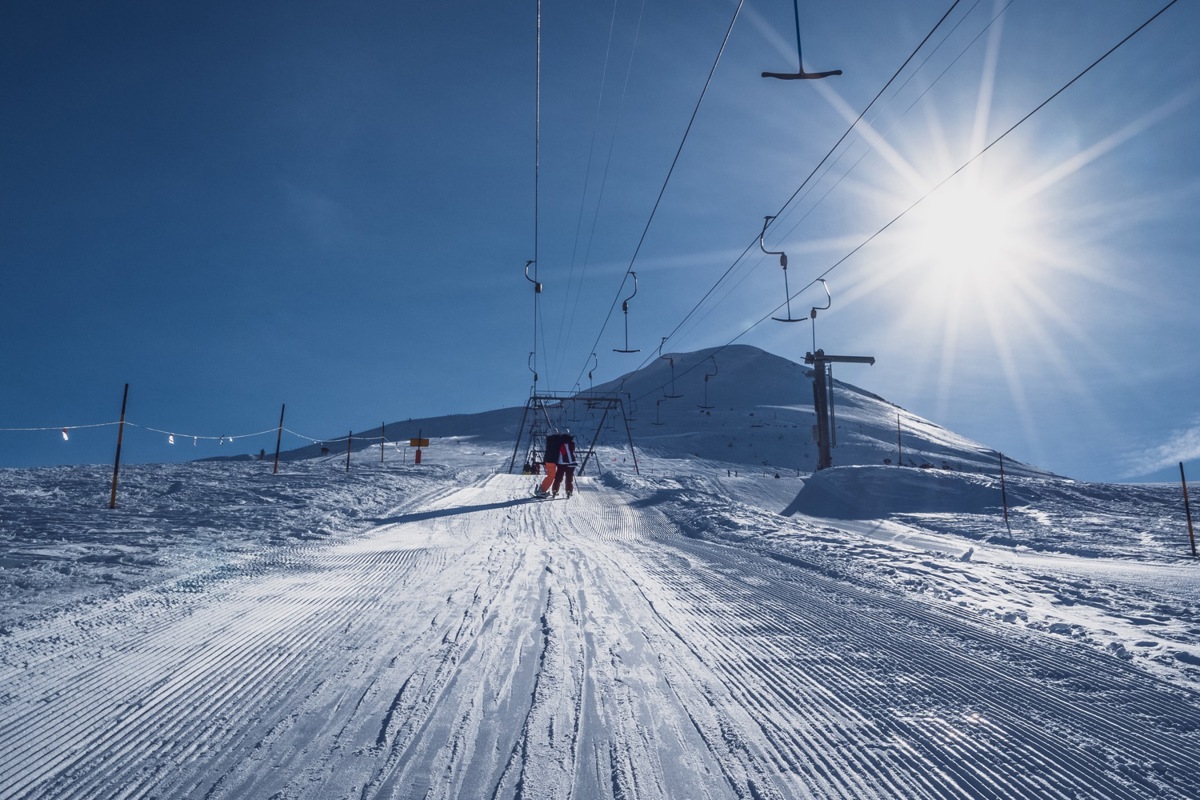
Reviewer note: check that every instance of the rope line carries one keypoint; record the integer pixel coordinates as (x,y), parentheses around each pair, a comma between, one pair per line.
(59,427)
(195,436)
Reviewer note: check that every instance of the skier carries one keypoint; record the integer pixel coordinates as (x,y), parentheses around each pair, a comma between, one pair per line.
(559,463)
(566,465)
(549,464)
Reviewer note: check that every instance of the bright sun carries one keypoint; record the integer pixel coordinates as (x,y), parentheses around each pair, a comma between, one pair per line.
(973,239)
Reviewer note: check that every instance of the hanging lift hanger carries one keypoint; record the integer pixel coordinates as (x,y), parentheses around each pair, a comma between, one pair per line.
(801,75)
(787,293)
(672,396)
(812,312)
(537,286)
(633,409)
(708,375)
(625,310)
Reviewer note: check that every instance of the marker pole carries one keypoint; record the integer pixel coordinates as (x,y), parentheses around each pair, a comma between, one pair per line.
(112,500)
(1187,509)
(279,438)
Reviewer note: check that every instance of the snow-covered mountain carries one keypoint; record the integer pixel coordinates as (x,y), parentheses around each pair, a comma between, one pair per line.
(762,414)
(738,405)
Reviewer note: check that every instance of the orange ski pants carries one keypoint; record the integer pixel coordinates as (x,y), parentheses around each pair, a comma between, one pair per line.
(548,481)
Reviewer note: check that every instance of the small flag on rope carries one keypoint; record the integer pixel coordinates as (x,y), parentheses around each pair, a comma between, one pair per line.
(65,437)
(170,438)
(195,441)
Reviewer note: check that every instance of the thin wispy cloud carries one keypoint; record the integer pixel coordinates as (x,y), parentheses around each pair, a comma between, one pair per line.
(1181,445)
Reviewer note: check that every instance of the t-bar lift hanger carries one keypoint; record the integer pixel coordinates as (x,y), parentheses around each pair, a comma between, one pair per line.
(801,75)
(672,396)
(787,293)
(812,312)
(625,310)
(708,375)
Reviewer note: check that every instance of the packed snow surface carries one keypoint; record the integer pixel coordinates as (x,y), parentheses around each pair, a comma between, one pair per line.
(702,629)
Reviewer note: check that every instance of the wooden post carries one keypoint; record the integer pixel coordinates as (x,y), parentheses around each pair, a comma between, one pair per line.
(899,444)
(112,500)
(1188,509)
(349,441)
(279,438)
(1004,493)
(382,440)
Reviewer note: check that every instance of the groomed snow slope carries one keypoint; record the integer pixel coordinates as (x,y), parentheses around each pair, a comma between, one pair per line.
(432,632)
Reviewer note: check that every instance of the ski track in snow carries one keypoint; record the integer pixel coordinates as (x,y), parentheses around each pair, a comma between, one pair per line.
(471,642)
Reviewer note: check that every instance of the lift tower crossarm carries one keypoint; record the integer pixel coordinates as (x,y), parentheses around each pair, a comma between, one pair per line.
(809,358)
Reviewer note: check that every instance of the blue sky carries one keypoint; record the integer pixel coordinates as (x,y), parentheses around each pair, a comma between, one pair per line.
(233,206)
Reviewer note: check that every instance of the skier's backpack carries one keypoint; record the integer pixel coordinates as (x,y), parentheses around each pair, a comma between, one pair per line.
(553,442)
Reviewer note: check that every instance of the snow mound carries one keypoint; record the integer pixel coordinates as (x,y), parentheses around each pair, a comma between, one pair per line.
(871,492)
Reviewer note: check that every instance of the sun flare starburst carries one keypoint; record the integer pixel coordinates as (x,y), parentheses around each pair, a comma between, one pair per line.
(975,241)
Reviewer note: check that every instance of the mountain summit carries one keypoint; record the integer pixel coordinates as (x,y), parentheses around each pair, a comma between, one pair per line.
(737,404)
(760,412)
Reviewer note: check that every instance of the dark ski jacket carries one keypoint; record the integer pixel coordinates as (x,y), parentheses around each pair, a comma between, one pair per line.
(566,453)
(560,449)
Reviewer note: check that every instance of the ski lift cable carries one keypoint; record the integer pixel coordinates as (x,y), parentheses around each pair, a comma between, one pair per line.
(884,134)
(818,168)
(575,288)
(979,154)
(649,359)
(999,13)
(982,151)
(807,180)
(940,183)
(670,171)
(815,170)
(820,172)
(537,145)
(868,107)
(608,159)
